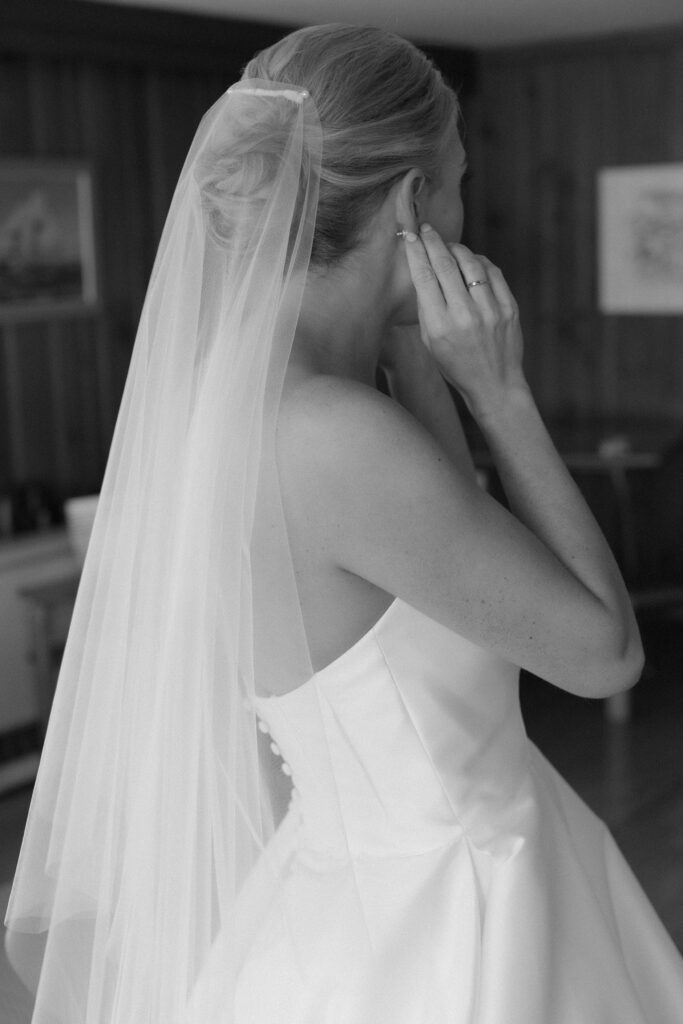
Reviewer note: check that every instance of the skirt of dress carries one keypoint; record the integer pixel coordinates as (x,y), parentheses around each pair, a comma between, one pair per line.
(552,930)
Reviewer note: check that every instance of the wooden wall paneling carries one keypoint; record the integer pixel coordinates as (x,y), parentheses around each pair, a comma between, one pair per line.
(607,140)
(111,370)
(121,214)
(14,140)
(526,134)
(478,142)
(172,120)
(15,122)
(74,371)
(16,448)
(586,106)
(53,129)
(522,218)
(44,112)
(37,400)
(580,118)
(59,131)
(54,91)
(114,33)
(641,356)
(675,138)
(624,149)
(534,216)
(494,175)
(131,197)
(674,75)
(175,104)
(108,333)
(76,438)
(458,66)
(5,418)
(55,332)
(159,184)
(472,131)
(575,258)
(92,447)
(71,126)
(207,89)
(82,93)
(643,361)
(611,334)
(459,71)
(542,255)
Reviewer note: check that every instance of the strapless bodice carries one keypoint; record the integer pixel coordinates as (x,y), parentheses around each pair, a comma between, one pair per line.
(433,866)
(410,738)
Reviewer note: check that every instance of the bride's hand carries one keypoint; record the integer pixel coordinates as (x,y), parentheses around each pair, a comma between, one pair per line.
(469,320)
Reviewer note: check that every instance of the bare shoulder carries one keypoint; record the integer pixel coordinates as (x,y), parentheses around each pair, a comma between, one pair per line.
(362,480)
(332,426)
(323,402)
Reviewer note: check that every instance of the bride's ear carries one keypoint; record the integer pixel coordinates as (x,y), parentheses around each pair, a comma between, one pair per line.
(407,200)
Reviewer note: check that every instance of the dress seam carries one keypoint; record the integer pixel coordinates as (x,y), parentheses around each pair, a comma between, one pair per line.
(456,816)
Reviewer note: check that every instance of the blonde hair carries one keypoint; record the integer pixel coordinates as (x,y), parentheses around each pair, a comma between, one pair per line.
(384,109)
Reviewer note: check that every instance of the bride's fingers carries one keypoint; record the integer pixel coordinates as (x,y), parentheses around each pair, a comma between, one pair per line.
(444,266)
(475,275)
(430,299)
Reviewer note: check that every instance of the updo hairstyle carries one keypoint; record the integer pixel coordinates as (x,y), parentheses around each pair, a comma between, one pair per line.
(384,108)
(239,166)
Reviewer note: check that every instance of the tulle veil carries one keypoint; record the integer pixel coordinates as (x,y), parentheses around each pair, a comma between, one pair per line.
(150,856)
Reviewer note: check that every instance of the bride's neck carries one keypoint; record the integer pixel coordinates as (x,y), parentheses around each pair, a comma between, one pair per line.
(345,316)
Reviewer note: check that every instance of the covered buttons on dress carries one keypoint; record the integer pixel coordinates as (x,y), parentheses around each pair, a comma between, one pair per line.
(285,767)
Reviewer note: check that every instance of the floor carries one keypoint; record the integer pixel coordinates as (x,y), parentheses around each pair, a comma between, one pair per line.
(630,774)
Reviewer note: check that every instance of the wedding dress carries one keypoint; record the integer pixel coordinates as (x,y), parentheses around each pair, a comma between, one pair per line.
(492,893)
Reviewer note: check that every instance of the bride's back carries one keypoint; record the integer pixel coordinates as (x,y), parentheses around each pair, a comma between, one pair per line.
(315,461)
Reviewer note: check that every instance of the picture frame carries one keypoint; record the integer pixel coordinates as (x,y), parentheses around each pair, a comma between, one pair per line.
(640,239)
(48,265)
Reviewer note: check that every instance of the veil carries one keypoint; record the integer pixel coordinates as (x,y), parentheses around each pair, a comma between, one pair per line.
(152,849)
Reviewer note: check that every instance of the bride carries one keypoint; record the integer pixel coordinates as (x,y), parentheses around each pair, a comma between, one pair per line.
(296,593)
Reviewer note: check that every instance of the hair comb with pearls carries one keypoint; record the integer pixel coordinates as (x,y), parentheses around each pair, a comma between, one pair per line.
(295,95)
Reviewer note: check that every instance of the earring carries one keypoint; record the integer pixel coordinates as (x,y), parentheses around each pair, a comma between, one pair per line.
(402,233)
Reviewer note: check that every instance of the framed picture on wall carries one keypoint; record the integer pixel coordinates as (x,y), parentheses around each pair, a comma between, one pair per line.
(640,239)
(47,239)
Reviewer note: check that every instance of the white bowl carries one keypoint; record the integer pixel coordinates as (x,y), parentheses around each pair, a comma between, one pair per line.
(80,514)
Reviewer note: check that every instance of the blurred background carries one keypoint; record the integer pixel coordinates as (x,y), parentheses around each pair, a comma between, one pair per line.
(98,104)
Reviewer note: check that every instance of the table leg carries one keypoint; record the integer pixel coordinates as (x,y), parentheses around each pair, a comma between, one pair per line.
(618,707)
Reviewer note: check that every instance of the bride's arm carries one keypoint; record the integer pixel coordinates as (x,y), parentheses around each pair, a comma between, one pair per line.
(416,383)
(379,497)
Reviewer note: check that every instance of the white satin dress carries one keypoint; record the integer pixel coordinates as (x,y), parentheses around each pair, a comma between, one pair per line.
(491,893)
